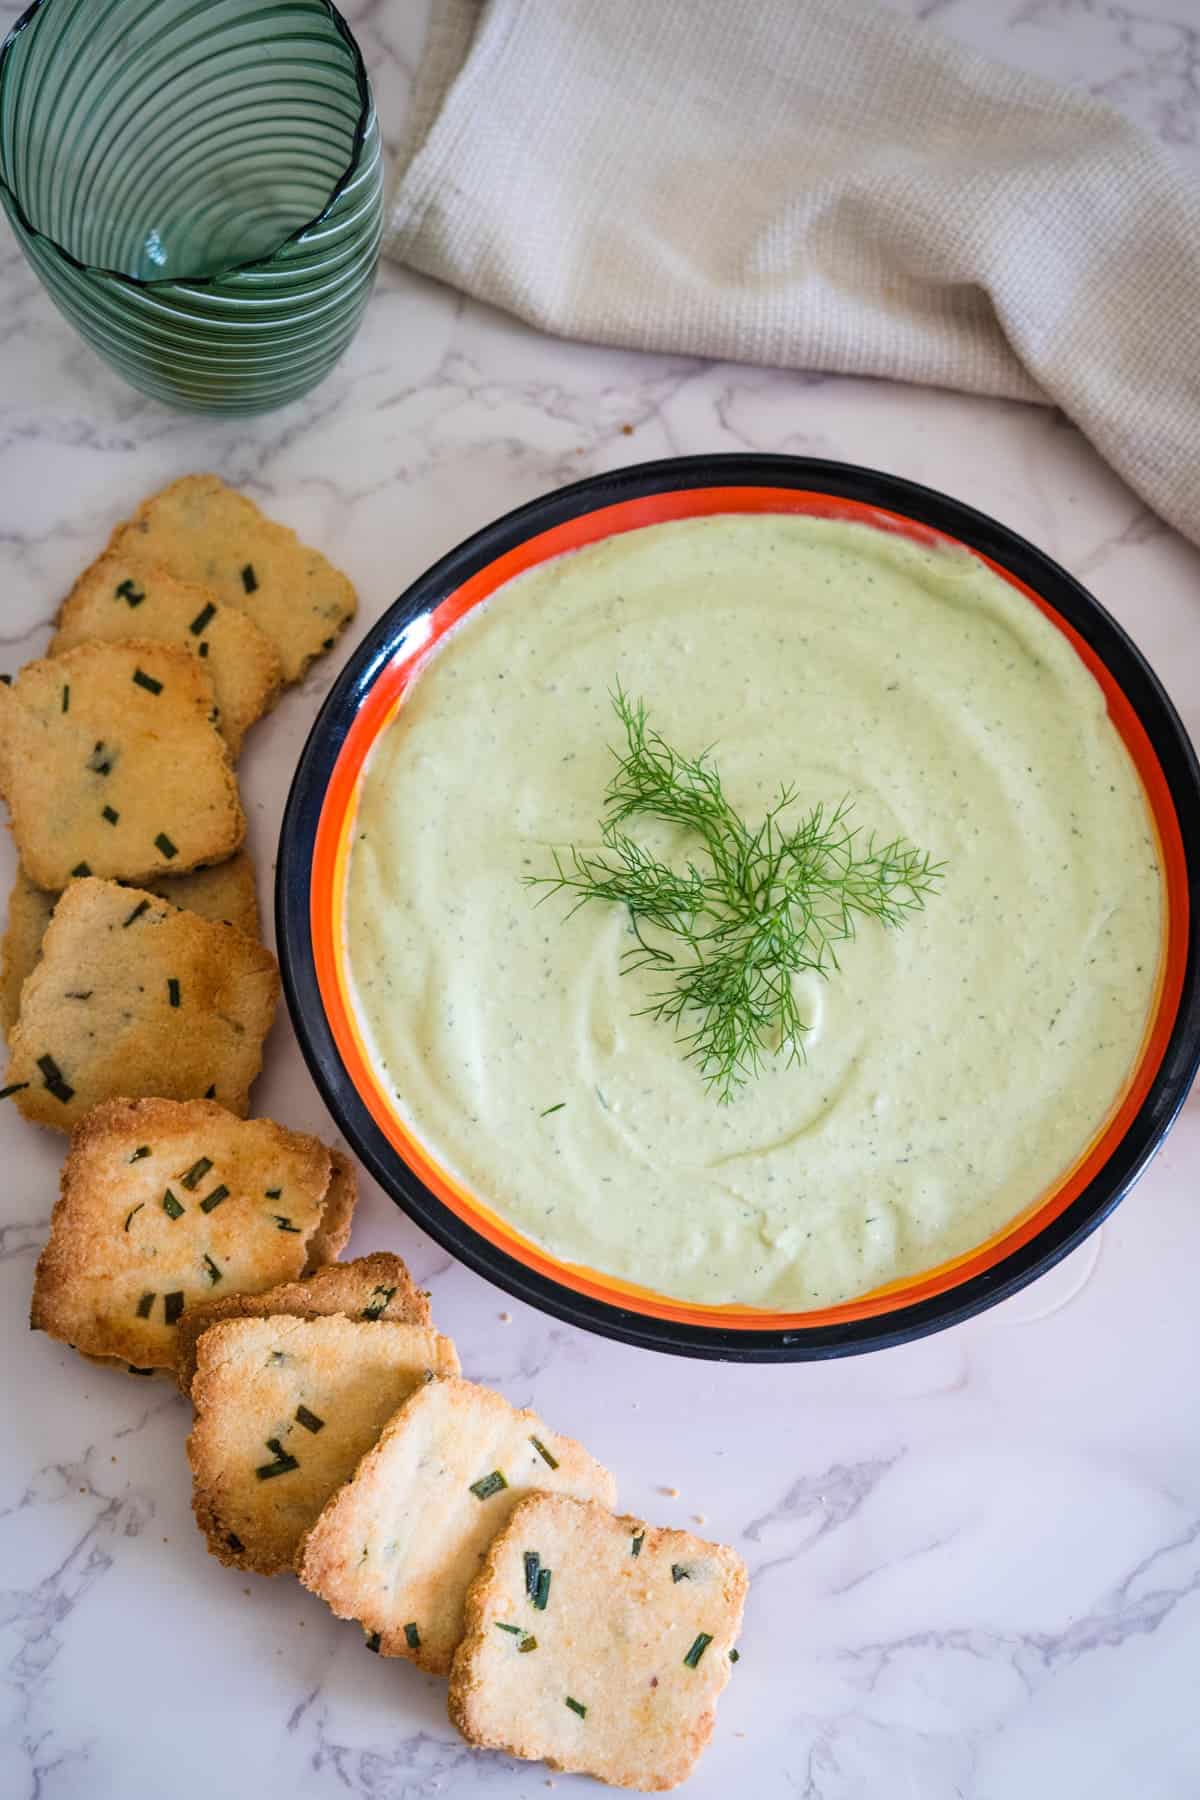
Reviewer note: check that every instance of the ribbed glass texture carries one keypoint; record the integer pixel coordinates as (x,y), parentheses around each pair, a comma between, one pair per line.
(198,183)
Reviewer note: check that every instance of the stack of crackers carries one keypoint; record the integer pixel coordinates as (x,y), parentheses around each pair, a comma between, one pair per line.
(131,962)
(334,1435)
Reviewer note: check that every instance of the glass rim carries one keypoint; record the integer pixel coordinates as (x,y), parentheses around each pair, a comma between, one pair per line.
(201,282)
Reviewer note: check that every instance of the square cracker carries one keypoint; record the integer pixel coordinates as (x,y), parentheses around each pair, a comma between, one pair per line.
(398,1547)
(373,1287)
(226,891)
(112,765)
(285,1408)
(132,997)
(164,1203)
(205,532)
(639,1643)
(120,597)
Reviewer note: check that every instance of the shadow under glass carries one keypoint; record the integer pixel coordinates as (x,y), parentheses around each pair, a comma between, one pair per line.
(175,139)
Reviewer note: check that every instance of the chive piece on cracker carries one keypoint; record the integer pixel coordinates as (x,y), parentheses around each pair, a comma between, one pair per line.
(378,1302)
(282,1465)
(53,1080)
(488,1485)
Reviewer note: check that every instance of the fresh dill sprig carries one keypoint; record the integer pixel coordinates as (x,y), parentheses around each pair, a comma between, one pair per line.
(730,930)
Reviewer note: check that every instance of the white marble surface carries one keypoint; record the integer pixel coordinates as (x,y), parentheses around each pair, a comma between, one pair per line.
(975,1561)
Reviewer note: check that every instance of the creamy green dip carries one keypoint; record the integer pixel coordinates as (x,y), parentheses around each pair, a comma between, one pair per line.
(955,1068)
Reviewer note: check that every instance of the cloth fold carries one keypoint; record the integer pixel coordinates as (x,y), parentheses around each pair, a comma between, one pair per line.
(816,184)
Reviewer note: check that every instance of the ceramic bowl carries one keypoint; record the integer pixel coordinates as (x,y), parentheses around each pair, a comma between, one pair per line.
(314,852)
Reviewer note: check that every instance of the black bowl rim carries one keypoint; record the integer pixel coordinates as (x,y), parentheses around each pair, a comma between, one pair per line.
(873,488)
(200,283)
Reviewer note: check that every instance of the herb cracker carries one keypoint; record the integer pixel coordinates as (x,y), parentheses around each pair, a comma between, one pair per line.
(285,1408)
(630,1653)
(133,997)
(164,1203)
(207,533)
(226,892)
(112,765)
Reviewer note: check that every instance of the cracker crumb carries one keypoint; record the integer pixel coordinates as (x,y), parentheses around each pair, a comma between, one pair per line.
(627,430)
(700,1518)
(672,1493)
(505,1318)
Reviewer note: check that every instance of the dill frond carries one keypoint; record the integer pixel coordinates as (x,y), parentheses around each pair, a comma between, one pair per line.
(727,934)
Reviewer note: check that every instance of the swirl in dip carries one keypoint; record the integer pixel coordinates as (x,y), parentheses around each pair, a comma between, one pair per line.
(955,1069)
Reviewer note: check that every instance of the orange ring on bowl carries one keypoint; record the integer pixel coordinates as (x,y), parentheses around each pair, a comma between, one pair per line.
(314,855)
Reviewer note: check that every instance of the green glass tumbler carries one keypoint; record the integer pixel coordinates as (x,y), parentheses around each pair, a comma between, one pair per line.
(199,185)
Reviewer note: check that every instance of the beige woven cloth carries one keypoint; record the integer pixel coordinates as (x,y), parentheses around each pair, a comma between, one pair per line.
(817,184)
